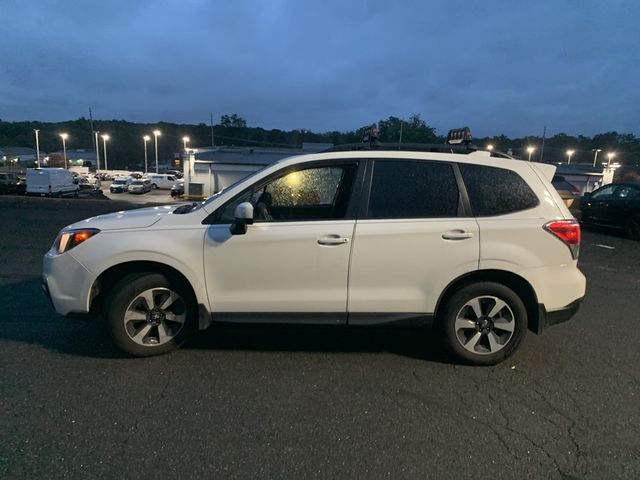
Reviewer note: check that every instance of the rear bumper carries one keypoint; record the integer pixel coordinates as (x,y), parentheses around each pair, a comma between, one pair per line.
(547,319)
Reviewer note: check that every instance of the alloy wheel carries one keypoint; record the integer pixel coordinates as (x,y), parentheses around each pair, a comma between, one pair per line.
(484,325)
(155,317)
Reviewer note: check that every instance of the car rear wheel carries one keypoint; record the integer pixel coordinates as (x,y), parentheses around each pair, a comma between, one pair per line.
(483,323)
(633,227)
(150,314)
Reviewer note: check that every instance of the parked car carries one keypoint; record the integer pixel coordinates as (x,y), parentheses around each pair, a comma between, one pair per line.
(567,191)
(480,247)
(176,173)
(177,190)
(85,185)
(161,180)
(120,184)
(9,183)
(140,186)
(616,205)
(21,186)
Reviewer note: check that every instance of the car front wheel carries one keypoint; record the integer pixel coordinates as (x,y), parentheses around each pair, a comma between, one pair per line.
(483,323)
(150,314)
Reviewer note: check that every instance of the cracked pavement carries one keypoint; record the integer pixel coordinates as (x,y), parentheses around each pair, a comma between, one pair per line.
(311,402)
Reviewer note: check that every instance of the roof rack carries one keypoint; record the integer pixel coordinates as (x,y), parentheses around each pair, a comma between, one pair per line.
(415,147)
(458,141)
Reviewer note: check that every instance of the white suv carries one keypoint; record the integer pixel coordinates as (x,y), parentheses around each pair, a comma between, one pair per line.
(479,245)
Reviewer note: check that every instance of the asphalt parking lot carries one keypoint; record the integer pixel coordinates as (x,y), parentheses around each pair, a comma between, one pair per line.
(309,402)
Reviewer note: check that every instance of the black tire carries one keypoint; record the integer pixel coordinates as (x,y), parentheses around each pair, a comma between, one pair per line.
(154,186)
(125,298)
(459,323)
(633,227)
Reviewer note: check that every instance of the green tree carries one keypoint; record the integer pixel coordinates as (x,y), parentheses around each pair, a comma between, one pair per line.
(233,121)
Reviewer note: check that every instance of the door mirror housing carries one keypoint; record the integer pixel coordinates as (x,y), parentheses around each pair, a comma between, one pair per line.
(243,216)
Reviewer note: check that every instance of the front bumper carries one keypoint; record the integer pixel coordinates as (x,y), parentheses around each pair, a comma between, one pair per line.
(67,283)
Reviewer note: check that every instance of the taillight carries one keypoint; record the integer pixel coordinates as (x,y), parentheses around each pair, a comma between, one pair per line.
(568,231)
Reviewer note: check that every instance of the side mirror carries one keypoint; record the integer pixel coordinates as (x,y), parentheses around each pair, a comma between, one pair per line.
(243,217)
(586,195)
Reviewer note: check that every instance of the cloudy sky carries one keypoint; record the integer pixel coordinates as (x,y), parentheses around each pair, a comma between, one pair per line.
(498,66)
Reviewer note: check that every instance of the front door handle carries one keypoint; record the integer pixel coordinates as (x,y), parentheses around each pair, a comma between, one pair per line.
(332,240)
(457,235)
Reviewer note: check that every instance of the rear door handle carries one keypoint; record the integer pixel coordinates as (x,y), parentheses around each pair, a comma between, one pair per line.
(332,240)
(457,235)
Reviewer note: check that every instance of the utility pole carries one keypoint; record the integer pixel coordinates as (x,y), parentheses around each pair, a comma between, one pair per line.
(97,144)
(544,132)
(92,132)
(212,142)
(401,123)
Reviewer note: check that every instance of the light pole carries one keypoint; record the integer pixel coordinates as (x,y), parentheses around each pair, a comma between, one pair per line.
(146,138)
(37,146)
(569,154)
(595,157)
(97,152)
(156,134)
(610,155)
(185,140)
(530,150)
(105,137)
(64,137)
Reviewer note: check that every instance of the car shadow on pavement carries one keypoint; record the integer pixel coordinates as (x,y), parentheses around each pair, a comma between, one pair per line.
(410,342)
(29,318)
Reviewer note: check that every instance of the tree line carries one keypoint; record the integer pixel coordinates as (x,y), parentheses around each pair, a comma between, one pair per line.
(126,147)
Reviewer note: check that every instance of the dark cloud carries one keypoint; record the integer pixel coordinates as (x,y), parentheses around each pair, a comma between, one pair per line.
(498,66)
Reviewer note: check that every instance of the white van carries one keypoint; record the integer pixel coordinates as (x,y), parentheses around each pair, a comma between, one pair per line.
(50,181)
(161,180)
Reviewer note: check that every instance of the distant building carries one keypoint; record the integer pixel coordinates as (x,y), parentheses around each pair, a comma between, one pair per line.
(81,157)
(24,156)
(209,170)
(584,176)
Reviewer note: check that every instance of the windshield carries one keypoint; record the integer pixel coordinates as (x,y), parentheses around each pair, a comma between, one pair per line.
(119,181)
(137,182)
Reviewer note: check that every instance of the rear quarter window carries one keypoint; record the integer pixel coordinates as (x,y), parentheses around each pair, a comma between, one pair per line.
(496,191)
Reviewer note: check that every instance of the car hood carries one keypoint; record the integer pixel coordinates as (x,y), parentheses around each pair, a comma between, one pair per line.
(138,218)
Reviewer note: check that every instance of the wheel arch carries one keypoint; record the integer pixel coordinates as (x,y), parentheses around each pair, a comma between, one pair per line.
(509,279)
(106,280)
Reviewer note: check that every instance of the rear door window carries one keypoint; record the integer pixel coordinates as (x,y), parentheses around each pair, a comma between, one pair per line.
(413,189)
(496,191)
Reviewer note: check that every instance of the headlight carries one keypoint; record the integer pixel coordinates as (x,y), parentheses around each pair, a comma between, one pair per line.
(67,239)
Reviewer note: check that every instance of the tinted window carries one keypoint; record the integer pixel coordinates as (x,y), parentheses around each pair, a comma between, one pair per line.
(604,192)
(628,192)
(496,191)
(406,189)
